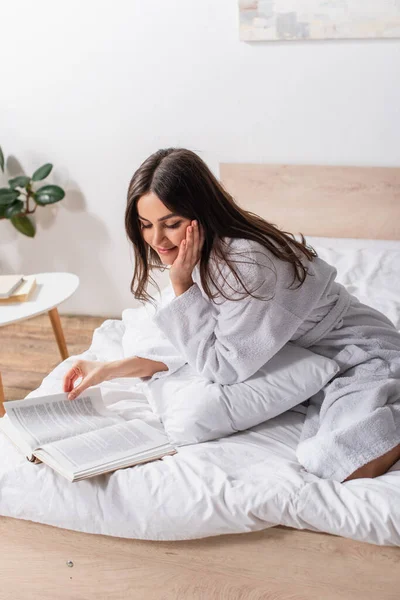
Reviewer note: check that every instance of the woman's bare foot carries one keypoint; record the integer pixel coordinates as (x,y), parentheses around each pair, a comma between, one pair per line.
(378,466)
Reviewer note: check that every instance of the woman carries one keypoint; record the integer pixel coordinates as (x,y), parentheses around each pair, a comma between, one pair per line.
(271,289)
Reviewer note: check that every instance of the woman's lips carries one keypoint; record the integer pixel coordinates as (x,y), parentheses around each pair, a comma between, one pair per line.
(165,250)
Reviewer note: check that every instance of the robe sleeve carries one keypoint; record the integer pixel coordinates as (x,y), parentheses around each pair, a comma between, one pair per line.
(229,344)
(161,351)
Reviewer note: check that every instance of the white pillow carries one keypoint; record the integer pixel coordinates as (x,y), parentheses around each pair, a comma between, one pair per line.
(193,409)
(370,274)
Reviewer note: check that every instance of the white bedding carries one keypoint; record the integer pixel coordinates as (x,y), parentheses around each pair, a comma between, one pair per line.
(245,482)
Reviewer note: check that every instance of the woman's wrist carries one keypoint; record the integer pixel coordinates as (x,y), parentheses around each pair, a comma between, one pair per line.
(181,288)
(134,366)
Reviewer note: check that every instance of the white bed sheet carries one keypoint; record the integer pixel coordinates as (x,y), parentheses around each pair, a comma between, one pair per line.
(245,482)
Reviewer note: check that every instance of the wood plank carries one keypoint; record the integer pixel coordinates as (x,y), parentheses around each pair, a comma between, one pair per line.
(278,563)
(322,201)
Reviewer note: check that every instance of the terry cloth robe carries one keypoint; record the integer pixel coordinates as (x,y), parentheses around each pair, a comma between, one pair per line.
(355,418)
(229,341)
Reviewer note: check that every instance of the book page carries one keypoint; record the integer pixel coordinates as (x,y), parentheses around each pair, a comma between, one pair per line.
(15,437)
(45,419)
(105,445)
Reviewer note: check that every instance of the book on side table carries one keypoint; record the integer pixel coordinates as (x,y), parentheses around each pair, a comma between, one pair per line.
(9,283)
(22,293)
(80,438)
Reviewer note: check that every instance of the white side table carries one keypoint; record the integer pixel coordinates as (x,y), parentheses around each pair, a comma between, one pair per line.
(51,290)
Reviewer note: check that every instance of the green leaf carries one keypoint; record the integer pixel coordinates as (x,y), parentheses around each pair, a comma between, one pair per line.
(3,211)
(1,160)
(15,208)
(24,225)
(7,196)
(48,194)
(20,181)
(42,172)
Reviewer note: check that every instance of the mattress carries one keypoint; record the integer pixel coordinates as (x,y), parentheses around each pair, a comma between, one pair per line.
(244,482)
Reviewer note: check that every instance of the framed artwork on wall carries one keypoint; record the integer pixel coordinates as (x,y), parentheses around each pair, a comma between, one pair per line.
(278,20)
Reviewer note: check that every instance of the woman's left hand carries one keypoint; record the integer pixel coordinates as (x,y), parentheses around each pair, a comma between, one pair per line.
(189,254)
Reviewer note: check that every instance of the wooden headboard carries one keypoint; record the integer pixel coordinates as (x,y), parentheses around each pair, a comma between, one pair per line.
(321,201)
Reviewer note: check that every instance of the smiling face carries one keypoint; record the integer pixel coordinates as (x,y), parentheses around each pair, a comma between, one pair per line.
(160,228)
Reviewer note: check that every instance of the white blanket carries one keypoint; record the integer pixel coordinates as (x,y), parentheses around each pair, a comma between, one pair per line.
(244,482)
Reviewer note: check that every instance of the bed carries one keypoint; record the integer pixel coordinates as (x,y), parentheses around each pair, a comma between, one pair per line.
(251,480)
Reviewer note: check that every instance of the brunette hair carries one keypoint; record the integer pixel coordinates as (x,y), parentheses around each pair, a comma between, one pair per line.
(186,186)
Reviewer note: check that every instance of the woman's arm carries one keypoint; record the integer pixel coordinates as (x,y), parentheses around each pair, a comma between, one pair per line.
(227,343)
(95,372)
(134,366)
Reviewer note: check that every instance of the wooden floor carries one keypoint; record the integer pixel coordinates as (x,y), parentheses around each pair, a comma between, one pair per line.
(275,564)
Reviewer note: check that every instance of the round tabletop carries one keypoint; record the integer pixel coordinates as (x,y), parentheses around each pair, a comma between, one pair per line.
(51,289)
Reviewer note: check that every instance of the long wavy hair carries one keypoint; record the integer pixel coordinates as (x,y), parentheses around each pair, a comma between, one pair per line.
(187,187)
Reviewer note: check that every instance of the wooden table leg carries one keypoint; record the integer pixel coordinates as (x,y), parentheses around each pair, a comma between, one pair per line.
(58,332)
(2,399)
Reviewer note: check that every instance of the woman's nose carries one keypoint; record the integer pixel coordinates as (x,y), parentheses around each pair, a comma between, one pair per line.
(158,237)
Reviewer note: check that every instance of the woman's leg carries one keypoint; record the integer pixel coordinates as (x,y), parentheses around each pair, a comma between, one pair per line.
(377,467)
(352,427)
(356,430)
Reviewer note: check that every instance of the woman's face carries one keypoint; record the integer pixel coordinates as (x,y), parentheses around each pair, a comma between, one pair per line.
(160,228)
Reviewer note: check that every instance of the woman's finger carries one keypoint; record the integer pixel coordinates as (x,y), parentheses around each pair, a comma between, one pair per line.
(70,377)
(196,238)
(92,379)
(68,380)
(191,244)
(198,242)
(67,385)
(183,251)
(79,389)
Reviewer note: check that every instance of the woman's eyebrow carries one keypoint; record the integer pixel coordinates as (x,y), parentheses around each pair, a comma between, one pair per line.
(162,218)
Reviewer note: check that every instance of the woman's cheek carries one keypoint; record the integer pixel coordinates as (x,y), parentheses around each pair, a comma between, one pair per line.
(178,238)
(147,237)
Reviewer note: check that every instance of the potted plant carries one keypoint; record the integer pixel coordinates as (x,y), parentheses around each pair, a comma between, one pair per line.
(15,199)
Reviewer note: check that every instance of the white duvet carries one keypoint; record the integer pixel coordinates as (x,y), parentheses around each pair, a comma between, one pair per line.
(243,482)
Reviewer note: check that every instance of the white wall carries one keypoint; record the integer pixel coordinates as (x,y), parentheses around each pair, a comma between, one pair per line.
(95,87)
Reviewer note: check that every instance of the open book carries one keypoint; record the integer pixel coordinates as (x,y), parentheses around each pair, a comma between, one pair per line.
(80,438)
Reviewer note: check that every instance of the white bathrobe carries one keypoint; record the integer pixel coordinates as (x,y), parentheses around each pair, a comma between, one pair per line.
(229,341)
(356,417)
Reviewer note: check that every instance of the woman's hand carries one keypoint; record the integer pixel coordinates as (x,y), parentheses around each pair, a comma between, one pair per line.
(189,254)
(92,373)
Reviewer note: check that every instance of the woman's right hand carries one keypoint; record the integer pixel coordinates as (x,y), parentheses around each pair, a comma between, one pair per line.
(92,372)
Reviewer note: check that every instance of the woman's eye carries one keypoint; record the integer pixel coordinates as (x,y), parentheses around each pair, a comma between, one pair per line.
(174,226)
